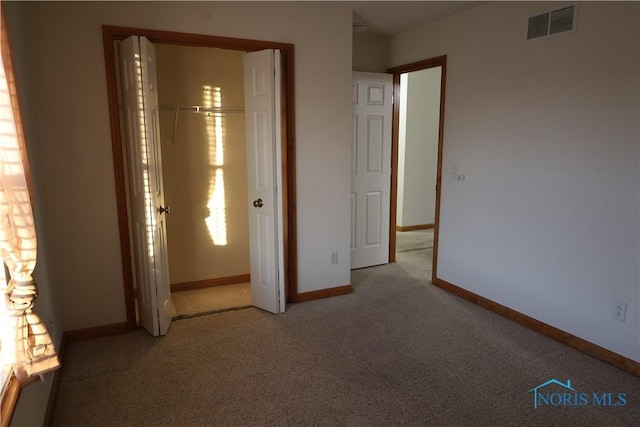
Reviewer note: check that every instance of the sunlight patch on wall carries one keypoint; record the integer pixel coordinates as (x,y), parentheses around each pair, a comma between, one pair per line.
(217,219)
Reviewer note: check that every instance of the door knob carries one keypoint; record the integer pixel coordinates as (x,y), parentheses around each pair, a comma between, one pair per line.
(162,210)
(257,203)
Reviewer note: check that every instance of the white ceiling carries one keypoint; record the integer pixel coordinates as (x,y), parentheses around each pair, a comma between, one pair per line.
(392,17)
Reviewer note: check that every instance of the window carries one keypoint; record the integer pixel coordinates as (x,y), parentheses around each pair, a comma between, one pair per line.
(6,119)
(26,344)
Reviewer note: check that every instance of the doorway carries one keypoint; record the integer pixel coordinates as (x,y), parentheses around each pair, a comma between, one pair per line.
(418,124)
(112,35)
(203,145)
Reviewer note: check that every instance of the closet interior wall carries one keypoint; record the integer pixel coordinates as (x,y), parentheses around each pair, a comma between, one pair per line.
(204,162)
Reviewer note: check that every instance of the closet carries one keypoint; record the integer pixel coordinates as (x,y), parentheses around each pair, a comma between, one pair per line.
(202,130)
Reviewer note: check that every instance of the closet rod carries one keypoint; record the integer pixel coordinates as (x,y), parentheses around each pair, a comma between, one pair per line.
(202,109)
(196,109)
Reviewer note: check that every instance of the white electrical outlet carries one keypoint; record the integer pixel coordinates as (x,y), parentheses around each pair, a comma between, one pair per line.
(334,257)
(619,310)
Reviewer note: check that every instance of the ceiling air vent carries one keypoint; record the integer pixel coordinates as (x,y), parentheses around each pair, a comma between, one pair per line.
(552,22)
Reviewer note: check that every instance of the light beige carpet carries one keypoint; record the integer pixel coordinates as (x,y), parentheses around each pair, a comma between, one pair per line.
(395,352)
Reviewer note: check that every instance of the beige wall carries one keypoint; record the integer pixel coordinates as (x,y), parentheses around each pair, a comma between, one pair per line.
(370,52)
(189,162)
(546,134)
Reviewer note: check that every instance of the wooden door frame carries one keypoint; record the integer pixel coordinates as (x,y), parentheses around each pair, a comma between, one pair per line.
(440,61)
(112,34)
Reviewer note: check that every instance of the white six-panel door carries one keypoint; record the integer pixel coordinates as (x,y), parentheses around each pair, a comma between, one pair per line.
(371,168)
(263,140)
(146,195)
